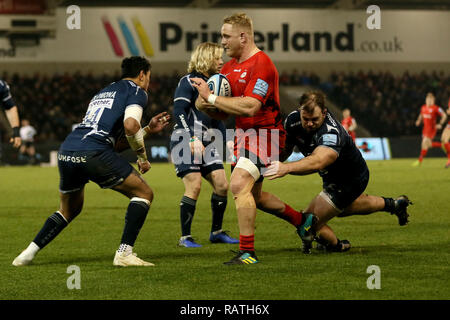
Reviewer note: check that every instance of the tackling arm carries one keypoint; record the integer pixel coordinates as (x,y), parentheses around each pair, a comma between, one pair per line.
(318,160)
(321,158)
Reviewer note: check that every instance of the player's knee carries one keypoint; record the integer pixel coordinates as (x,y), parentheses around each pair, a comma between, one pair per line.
(221,187)
(146,193)
(244,200)
(236,187)
(242,195)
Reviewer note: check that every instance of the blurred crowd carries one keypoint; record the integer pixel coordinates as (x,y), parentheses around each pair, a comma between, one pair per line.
(385,104)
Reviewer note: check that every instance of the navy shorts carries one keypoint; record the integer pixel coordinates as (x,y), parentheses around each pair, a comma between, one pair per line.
(343,193)
(105,167)
(185,163)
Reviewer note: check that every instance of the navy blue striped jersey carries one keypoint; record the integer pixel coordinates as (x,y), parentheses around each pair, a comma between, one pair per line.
(103,123)
(349,165)
(5,96)
(187,117)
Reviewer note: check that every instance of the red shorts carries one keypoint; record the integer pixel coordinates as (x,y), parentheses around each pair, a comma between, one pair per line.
(429,133)
(261,146)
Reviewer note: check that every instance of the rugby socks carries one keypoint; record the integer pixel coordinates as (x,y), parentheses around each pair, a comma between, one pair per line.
(389,204)
(436,144)
(187,210)
(290,215)
(247,243)
(423,153)
(52,227)
(218,206)
(447,149)
(125,248)
(134,220)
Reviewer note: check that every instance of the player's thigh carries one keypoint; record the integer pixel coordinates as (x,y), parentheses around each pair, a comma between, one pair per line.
(71,204)
(218,180)
(135,186)
(426,142)
(446,134)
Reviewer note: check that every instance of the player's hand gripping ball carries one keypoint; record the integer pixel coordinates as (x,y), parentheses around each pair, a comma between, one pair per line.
(220,86)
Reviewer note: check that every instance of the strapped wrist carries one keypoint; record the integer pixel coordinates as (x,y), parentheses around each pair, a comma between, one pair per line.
(212,99)
(136,142)
(16,132)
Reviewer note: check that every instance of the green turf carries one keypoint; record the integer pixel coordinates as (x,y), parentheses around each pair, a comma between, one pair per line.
(414,260)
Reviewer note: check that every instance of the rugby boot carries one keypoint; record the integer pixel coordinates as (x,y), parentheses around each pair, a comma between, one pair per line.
(401,204)
(243,257)
(306,231)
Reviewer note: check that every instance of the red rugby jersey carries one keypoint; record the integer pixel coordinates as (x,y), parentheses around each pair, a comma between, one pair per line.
(346,123)
(429,115)
(256,77)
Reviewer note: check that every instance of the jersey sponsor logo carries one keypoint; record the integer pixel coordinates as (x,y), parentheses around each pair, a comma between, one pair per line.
(243,74)
(329,139)
(261,87)
(66,158)
(105,95)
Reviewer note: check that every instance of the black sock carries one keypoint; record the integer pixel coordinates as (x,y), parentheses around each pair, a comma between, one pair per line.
(187,210)
(218,206)
(52,227)
(389,204)
(134,220)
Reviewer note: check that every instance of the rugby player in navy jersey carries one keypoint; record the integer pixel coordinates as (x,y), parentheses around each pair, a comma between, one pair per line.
(89,153)
(330,151)
(12,113)
(193,131)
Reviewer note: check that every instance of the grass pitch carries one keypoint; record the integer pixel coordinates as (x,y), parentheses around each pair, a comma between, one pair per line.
(413,260)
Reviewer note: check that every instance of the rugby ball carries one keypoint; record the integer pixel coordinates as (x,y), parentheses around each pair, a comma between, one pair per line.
(219,85)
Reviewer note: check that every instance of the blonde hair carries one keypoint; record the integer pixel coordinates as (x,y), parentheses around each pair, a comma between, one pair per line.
(203,58)
(241,20)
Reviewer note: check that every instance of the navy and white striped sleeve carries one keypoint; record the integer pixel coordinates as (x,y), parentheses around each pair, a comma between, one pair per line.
(183,101)
(5,95)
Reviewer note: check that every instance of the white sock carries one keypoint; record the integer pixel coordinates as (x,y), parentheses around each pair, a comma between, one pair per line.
(125,248)
(185,237)
(31,251)
(217,232)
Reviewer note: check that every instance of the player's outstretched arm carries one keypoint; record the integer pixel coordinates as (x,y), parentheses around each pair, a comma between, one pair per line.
(157,124)
(321,158)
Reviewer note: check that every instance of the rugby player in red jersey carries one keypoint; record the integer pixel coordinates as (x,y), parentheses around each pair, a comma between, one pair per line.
(259,135)
(349,123)
(428,115)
